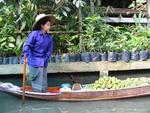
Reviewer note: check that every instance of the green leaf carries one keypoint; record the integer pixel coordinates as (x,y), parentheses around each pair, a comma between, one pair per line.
(1,19)
(18,40)
(19,18)
(11,39)
(3,39)
(19,47)
(11,45)
(3,44)
(67,9)
(64,13)
(23,25)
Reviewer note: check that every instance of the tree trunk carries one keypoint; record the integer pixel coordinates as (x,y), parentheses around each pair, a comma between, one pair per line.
(98,2)
(18,24)
(17,13)
(92,7)
(80,28)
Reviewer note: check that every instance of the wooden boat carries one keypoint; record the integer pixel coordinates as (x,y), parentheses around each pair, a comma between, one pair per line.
(82,95)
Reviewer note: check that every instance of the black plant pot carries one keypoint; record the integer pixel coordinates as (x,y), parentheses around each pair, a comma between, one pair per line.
(86,57)
(119,56)
(95,57)
(65,58)
(126,56)
(143,55)
(104,56)
(112,56)
(5,60)
(148,54)
(52,59)
(135,56)
(15,60)
(21,60)
(58,58)
(10,60)
(72,57)
(78,57)
(1,60)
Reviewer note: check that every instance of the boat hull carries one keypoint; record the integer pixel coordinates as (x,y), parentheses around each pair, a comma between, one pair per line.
(86,95)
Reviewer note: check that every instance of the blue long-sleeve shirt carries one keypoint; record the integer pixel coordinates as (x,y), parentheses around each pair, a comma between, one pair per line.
(38,48)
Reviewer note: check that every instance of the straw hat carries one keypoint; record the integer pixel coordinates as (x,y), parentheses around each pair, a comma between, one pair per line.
(40,18)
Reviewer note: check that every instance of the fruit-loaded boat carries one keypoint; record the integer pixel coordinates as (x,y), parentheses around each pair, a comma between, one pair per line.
(84,94)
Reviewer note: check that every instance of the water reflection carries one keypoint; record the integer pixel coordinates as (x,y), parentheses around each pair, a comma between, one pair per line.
(11,104)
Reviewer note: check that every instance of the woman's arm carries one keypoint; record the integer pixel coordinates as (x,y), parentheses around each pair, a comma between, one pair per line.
(29,43)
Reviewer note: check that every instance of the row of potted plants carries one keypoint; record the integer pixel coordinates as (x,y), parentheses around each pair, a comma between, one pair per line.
(9,60)
(125,56)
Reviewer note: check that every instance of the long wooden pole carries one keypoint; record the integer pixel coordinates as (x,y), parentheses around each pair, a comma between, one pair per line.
(24,79)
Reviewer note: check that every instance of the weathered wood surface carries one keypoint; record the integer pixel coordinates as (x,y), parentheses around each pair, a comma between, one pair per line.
(102,67)
(123,11)
(126,20)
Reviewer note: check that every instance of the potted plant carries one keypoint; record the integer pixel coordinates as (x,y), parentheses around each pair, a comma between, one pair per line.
(125,54)
(143,54)
(58,58)
(104,56)
(65,57)
(73,53)
(95,56)
(78,57)
(112,55)
(134,43)
(72,57)
(5,57)
(52,59)
(86,57)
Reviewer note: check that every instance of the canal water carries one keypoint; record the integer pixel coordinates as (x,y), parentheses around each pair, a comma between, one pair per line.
(12,104)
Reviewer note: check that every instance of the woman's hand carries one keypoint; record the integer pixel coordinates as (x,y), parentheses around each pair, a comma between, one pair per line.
(25,59)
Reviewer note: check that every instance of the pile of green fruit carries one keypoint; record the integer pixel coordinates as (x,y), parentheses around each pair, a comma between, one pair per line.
(108,82)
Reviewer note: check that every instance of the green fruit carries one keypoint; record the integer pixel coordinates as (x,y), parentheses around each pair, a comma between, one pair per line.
(114,83)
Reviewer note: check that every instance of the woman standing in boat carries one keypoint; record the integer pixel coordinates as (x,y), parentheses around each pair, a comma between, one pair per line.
(38,49)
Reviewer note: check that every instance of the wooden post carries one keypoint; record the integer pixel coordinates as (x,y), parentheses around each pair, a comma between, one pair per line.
(80,28)
(104,73)
(148,11)
(148,8)
(92,7)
